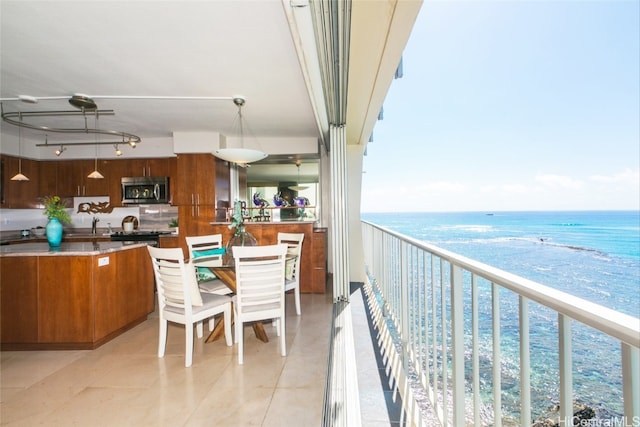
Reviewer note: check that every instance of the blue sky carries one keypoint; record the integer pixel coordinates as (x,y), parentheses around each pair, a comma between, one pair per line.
(512,105)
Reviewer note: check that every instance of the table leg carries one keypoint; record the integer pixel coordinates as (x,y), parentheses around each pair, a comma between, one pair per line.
(218,331)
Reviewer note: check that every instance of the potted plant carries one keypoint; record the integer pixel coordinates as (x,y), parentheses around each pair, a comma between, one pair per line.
(55,210)
(174,224)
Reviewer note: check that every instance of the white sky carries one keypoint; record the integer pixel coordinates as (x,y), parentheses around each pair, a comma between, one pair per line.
(512,105)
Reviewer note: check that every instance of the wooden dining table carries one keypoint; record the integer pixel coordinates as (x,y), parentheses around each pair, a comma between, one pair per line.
(227,274)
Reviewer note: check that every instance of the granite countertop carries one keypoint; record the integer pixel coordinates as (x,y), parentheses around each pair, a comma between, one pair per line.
(67,248)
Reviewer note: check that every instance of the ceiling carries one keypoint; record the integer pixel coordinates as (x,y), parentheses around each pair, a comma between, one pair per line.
(118,51)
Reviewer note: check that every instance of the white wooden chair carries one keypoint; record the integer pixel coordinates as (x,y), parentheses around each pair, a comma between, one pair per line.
(259,289)
(204,251)
(180,300)
(292,270)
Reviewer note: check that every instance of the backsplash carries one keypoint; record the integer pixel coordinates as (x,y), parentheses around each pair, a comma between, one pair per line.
(150,217)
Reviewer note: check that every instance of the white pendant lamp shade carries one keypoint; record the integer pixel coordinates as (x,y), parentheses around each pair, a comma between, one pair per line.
(95,175)
(240,155)
(19,177)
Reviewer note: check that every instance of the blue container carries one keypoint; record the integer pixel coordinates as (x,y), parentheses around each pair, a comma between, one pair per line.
(54,232)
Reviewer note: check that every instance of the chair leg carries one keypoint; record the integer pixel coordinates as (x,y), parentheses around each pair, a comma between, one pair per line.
(296,292)
(227,325)
(199,329)
(240,340)
(188,355)
(235,325)
(283,341)
(162,338)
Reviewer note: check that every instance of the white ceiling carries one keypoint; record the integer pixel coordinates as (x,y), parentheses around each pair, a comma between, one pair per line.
(143,48)
(208,48)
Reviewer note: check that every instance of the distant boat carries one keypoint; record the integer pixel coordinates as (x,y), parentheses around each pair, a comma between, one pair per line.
(489,214)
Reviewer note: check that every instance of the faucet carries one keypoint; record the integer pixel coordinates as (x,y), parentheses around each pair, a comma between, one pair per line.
(94,222)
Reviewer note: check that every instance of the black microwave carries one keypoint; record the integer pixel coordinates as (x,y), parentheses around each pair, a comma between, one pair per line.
(145,190)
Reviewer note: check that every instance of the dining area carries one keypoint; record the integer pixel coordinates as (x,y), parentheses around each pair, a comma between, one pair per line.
(221,286)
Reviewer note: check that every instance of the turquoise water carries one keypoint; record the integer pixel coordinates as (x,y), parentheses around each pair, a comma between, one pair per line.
(593,255)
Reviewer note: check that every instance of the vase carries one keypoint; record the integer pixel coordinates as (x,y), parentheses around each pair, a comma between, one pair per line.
(241,238)
(54,232)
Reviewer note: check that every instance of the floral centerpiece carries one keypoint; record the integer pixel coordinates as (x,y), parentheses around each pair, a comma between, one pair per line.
(54,207)
(55,210)
(237,220)
(241,237)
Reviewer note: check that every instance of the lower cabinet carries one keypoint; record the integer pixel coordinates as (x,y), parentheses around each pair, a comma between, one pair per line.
(75,301)
(313,262)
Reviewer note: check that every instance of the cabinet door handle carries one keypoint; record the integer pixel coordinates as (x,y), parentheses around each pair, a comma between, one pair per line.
(78,190)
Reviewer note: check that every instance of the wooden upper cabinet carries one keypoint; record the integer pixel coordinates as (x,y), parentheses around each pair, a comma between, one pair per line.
(195,180)
(19,194)
(72,178)
(68,178)
(48,178)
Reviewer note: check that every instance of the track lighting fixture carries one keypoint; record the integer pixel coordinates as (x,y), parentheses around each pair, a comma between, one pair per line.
(60,150)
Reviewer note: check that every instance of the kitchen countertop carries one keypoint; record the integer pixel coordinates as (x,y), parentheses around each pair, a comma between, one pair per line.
(67,248)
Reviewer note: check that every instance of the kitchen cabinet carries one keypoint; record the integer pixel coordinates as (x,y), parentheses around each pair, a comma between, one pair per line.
(73,301)
(195,180)
(72,178)
(319,260)
(68,178)
(313,262)
(47,178)
(19,194)
(201,192)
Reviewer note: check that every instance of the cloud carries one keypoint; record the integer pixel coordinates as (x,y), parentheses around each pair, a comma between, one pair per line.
(560,181)
(626,176)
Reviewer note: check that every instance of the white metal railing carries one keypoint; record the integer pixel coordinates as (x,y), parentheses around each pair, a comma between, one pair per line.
(449,316)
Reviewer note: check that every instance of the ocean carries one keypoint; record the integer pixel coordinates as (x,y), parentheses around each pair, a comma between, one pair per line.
(594,255)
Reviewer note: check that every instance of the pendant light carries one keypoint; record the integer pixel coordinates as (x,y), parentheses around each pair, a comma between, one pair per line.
(19,176)
(95,174)
(298,187)
(240,155)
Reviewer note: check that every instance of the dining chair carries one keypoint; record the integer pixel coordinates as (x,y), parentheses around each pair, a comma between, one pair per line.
(207,251)
(180,299)
(259,289)
(292,267)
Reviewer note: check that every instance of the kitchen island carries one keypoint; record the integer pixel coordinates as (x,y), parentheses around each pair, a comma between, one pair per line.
(77,296)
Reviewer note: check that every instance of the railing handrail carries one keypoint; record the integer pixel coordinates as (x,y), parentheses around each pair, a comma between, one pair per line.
(621,326)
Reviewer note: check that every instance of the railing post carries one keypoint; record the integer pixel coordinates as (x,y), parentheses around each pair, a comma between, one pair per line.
(475,334)
(631,383)
(525,363)
(497,355)
(565,370)
(457,342)
(404,304)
